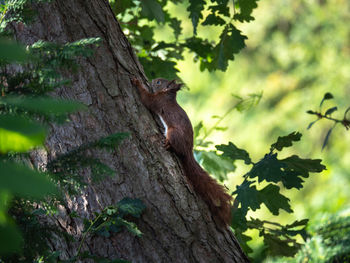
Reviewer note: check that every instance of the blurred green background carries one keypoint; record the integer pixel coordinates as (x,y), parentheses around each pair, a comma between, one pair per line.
(296,52)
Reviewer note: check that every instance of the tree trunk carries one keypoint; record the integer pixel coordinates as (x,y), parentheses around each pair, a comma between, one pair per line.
(176,225)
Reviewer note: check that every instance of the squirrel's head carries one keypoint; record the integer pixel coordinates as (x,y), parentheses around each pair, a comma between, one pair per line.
(165,85)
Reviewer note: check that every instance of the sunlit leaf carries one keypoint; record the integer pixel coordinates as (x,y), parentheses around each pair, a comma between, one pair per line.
(130,226)
(216,165)
(43,105)
(22,181)
(20,134)
(197,129)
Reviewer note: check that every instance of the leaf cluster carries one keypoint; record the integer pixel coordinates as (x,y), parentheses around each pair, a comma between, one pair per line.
(113,218)
(345,121)
(159,58)
(262,186)
(329,241)
(110,220)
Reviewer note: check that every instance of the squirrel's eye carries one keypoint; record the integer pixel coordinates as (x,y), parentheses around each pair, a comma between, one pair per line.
(158,82)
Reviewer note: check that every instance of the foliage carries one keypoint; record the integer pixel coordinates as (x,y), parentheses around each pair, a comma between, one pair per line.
(18,134)
(345,121)
(329,242)
(262,185)
(111,220)
(159,58)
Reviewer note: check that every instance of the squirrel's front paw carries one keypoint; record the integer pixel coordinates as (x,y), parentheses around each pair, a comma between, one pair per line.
(135,81)
(167,145)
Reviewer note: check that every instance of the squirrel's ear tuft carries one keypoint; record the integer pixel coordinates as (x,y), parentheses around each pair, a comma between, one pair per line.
(179,86)
(172,85)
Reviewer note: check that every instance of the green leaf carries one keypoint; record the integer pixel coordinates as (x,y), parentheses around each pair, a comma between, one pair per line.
(214,164)
(331,110)
(156,67)
(245,10)
(288,171)
(312,123)
(152,10)
(119,6)
(175,24)
(130,226)
(247,196)
(10,239)
(255,223)
(327,96)
(243,240)
(298,223)
(23,181)
(221,8)
(303,166)
(43,105)
(311,112)
(273,200)
(128,206)
(231,42)
(20,134)
(286,141)
(280,247)
(201,47)
(326,139)
(238,219)
(11,51)
(197,129)
(195,8)
(213,19)
(233,152)
(269,168)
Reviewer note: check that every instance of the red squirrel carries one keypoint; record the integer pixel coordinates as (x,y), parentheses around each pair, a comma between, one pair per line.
(179,139)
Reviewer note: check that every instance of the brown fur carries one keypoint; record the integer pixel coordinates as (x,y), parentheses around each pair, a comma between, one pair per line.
(179,138)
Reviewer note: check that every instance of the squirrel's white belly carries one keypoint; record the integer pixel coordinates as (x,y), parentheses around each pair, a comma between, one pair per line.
(164,124)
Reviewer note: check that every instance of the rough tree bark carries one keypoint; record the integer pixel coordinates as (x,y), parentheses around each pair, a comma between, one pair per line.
(176,225)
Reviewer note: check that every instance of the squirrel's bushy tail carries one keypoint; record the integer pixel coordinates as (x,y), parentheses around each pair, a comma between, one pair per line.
(211,192)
